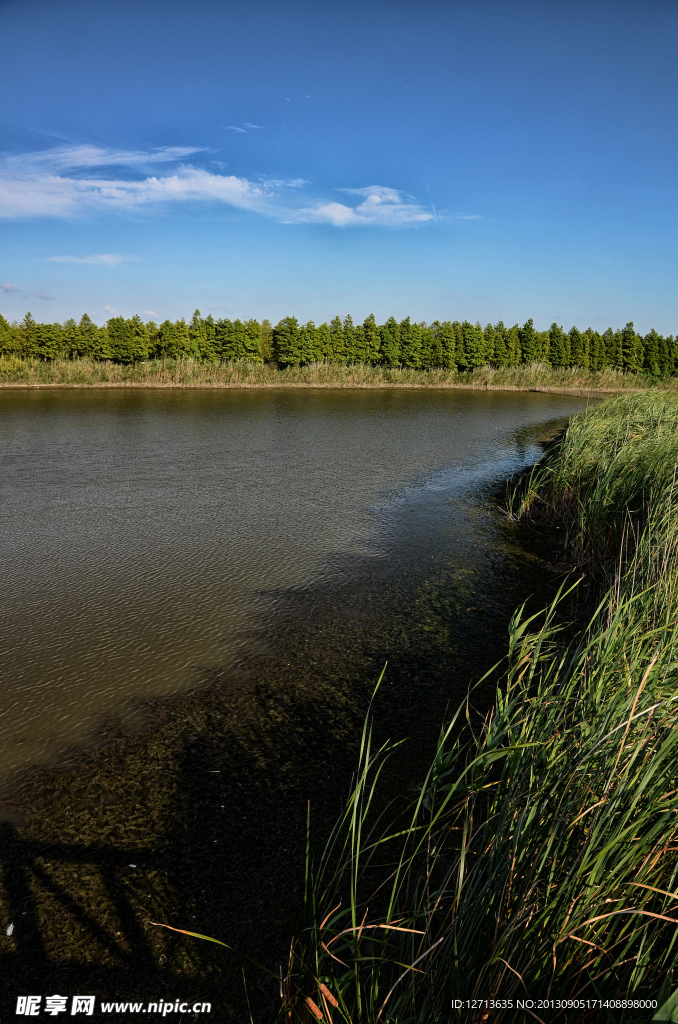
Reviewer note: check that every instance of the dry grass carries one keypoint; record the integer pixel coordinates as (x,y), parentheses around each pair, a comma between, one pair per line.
(191,373)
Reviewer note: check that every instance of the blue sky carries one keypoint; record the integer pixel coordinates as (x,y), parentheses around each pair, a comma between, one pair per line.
(471,160)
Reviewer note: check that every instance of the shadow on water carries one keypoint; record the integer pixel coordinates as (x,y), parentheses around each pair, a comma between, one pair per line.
(200,821)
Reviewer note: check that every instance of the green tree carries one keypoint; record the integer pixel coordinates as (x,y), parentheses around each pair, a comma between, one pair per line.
(372,339)
(472,346)
(579,352)
(50,341)
(429,347)
(174,341)
(266,341)
(528,342)
(651,355)
(410,343)
(448,343)
(324,343)
(286,342)
(489,344)
(93,340)
(351,353)
(390,342)
(501,355)
(338,350)
(559,346)
(632,348)
(252,342)
(596,349)
(513,348)
(308,343)
(6,342)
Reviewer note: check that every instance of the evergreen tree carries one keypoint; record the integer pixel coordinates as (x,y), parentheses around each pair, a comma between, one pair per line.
(206,339)
(50,341)
(120,340)
(632,351)
(28,335)
(324,343)
(174,341)
(410,343)
(514,351)
(608,348)
(71,336)
(372,340)
(286,342)
(489,336)
(338,348)
(266,341)
(390,342)
(252,342)
(528,342)
(360,354)
(651,357)
(472,346)
(448,344)
(226,341)
(350,353)
(93,340)
(579,353)
(6,343)
(153,339)
(197,334)
(544,347)
(429,347)
(596,349)
(307,343)
(501,355)
(559,346)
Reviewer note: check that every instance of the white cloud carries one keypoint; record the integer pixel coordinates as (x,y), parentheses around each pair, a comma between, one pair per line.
(6,287)
(109,309)
(36,185)
(383,206)
(232,128)
(108,259)
(65,157)
(44,295)
(248,125)
(151,312)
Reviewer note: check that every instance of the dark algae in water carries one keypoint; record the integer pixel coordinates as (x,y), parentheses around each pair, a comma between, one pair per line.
(197,818)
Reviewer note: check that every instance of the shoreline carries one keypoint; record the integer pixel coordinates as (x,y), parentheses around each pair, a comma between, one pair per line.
(580,392)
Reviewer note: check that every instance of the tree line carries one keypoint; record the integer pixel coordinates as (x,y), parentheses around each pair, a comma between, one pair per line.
(450,345)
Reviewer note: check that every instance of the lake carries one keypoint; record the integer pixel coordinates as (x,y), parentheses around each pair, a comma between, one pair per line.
(150,539)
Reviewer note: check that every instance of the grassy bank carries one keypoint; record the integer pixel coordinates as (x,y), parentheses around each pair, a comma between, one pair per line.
(537,859)
(192,373)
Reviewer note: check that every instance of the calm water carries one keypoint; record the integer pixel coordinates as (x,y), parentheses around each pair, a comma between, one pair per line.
(150,538)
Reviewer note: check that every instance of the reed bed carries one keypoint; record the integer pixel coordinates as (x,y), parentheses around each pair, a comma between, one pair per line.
(612,467)
(537,861)
(172,373)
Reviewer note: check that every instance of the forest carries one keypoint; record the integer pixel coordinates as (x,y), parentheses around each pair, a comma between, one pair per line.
(450,345)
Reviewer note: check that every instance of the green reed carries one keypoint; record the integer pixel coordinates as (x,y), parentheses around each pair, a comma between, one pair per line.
(538,858)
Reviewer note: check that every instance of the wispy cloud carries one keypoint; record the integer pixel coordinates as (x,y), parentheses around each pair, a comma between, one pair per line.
(109,309)
(108,259)
(69,157)
(37,185)
(387,207)
(6,287)
(233,128)
(44,295)
(151,312)
(249,125)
